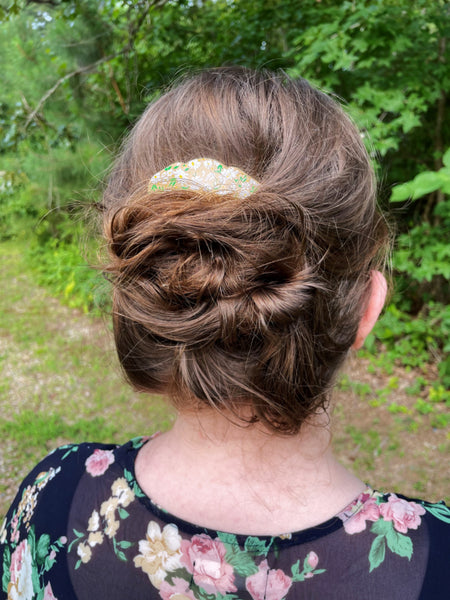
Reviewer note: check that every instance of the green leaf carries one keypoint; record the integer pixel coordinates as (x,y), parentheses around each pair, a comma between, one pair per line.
(137,442)
(425,183)
(137,491)
(227,538)
(200,593)
(382,527)
(399,544)
(123,513)
(306,566)
(6,567)
(295,569)
(71,449)
(48,563)
(401,192)
(79,534)
(241,561)
(446,158)
(410,120)
(32,541)
(35,578)
(438,510)
(257,547)
(42,547)
(377,552)
(120,555)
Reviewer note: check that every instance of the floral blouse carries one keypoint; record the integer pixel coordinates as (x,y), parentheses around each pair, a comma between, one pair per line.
(81,528)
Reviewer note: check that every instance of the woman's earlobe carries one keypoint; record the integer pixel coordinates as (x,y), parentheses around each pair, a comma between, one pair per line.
(373,309)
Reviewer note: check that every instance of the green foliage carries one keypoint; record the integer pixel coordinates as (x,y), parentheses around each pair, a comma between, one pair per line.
(62,269)
(77,73)
(425,183)
(372,54)
(413,342)
(423,253)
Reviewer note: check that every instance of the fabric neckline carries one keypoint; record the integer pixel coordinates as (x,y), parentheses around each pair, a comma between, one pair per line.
(127,457)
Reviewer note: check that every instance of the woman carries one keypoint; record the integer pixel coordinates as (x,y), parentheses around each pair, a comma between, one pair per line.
(244,247)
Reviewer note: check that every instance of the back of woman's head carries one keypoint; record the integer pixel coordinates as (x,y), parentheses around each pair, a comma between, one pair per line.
(246,305)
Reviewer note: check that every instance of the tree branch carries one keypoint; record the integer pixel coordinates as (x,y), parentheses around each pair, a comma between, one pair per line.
(60,81)
(132,31)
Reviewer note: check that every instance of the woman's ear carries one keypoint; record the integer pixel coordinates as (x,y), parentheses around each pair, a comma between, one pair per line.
(378,289)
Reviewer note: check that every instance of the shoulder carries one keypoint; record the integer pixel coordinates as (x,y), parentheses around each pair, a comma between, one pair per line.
(33,534)
(432,520)
(68,458)
(435,514)
(54,479)
(436,520)
(407,513)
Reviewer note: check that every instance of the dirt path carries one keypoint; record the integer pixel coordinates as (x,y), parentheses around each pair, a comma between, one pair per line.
(60,382)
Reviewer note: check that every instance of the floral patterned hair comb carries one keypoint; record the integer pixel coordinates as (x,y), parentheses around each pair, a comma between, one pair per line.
(204,174)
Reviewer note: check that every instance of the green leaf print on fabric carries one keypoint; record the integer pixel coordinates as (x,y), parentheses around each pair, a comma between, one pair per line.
(6,568)
(25,567)
(227,538)
(439,510)
(123,514)
(220,596)
(377,552)
(117,545)
(309,568)
(240,560)
(103,524)
(399,544)
(381,527)
(386,534)
(70,448)
(42,547)
(257,547)
(392,519)
(133,484)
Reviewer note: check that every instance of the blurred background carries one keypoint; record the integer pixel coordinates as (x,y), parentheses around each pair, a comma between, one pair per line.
(75,74)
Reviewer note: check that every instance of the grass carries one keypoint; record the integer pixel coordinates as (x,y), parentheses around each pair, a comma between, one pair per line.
(60,382)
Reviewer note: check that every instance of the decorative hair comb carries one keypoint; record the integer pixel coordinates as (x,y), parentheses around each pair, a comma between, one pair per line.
(204,174)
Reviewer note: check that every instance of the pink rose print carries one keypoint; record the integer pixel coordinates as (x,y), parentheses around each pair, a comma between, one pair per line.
(312,559)
(98,462)
(48,592)
(179,590)
(205,559)
(15,529)
(405,515)
(370,511)
(21,573)
(268,584)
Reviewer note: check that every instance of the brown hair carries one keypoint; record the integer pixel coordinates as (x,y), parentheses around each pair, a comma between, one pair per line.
(225,302)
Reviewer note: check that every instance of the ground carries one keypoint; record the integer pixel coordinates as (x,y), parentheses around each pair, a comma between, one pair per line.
(60,382)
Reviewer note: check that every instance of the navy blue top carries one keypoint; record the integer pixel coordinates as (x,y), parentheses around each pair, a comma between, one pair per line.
(82,528)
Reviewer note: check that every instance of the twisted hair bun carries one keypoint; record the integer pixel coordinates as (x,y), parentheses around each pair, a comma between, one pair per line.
(232,302)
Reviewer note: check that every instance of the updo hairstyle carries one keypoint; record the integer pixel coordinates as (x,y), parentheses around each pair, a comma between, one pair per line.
(253,303)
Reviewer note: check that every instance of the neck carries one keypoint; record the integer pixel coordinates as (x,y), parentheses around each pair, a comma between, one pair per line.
(250,449)
(292,481)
